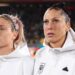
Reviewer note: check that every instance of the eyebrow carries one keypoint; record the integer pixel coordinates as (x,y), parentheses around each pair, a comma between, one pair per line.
(3,25)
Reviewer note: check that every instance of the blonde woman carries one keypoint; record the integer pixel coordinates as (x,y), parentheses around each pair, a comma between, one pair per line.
(14,55)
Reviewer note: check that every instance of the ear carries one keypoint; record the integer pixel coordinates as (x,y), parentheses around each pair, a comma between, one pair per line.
(68,26)
(15,34)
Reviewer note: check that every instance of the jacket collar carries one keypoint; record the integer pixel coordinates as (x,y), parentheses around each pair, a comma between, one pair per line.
(19,52)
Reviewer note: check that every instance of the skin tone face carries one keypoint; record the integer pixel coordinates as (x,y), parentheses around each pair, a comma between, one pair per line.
(55,27)
(7,37)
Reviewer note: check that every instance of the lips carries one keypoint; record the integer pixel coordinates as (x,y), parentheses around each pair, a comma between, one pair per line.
(50,34)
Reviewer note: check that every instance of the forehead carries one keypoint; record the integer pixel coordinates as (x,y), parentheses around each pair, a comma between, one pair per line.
(3,21)
(53,14)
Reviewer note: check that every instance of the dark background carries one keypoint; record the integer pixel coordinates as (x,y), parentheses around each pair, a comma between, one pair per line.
(31,13)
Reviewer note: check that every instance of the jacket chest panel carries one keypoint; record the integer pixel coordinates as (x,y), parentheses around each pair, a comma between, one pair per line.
(10,67)
(55,64)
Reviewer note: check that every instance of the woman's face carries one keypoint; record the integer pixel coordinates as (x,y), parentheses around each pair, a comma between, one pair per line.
(7,36)
(55,25)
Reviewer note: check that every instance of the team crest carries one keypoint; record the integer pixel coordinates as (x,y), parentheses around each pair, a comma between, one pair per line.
(41,68)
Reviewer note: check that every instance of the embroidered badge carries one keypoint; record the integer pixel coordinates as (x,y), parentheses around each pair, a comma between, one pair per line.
(41,68)
(65,69)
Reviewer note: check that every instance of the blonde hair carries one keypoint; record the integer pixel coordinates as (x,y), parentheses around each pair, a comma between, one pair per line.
(17,25)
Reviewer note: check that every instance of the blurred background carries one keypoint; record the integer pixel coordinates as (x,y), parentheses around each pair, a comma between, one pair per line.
(31,13)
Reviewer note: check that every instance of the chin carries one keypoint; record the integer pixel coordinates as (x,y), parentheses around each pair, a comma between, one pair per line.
(52,40)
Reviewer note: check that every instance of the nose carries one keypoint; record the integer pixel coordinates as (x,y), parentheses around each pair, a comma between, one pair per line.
(50,25)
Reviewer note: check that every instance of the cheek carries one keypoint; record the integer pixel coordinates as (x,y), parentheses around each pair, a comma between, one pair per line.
(8,36)
(45,32)
(4,40)
(61,31)
(45,29)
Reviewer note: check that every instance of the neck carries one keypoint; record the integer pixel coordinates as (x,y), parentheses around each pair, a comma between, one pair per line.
(4,50)
(59,43)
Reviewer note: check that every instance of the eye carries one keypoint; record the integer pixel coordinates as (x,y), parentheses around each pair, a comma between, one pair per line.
(45,21)
(55,20)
